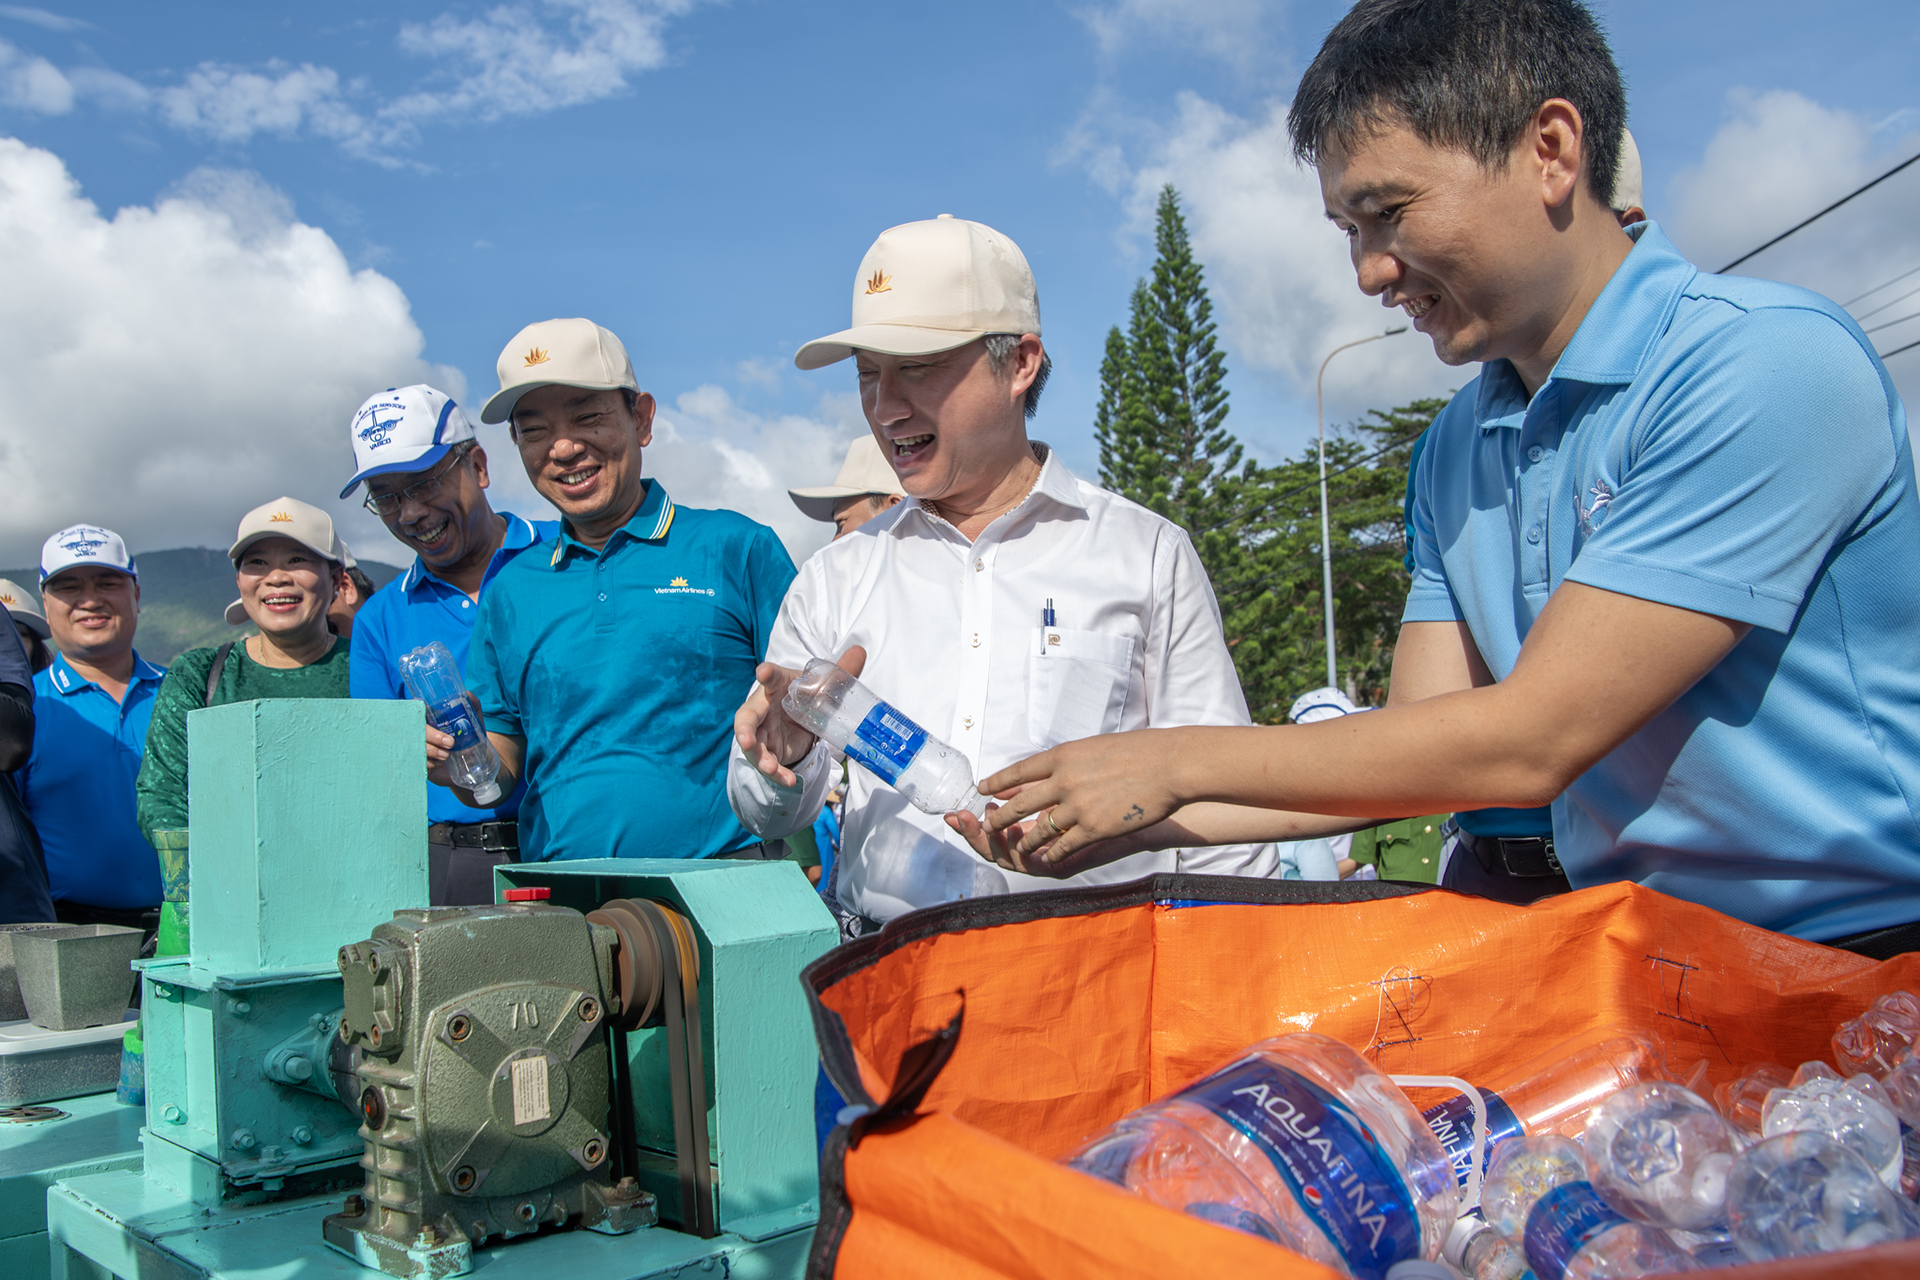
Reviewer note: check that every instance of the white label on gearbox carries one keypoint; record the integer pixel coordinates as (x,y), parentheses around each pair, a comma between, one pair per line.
(530,1101)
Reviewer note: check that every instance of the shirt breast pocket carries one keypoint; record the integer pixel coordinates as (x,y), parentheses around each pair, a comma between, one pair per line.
(1076,684)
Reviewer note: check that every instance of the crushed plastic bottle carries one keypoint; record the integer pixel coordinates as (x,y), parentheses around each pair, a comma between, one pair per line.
(1803,1193)
(1881,1038)
(432,676)
(1537,1193)
(1553,1093)
(1486,1254)
(1660,1153)
(836,708)
(1902,1088)
(1819,1101)
(1741,1101)
(1301,1142)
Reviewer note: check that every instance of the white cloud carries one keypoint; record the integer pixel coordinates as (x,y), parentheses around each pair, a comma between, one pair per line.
(230,104)
(710,452)
(1277,270)
(41,18)
(166,368)
(31,83)
(1234,31)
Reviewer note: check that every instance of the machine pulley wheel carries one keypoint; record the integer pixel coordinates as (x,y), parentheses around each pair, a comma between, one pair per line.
(643,927)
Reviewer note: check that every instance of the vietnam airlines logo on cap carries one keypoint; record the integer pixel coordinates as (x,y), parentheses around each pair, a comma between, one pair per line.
(280,517)
(879,282)
(8,599)
(537,355)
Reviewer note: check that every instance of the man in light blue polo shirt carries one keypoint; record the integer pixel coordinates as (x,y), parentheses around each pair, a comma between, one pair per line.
(1665,543)
(91,709)
(607,663)
(426,478)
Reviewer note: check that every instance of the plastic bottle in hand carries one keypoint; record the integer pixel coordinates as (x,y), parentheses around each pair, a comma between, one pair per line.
(1660,1153)
(1537,1193)
(1800,1194)
(432,676)
(1552,1093)
(843,713)
(1819,1101)
(1878,1040)
(1301,1142)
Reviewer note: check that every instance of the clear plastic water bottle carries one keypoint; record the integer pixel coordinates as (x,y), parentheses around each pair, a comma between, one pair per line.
(1660,1153)
(1819,1101)
(1803,1193)
(1301,1142)
(845,714)
(1552,1093)
(1487,1255)
(1537,1192)
(1881,1038)
(432,676)
(1741,1101)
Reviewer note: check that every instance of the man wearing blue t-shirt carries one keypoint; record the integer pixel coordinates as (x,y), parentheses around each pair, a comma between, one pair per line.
(91,711)
(607,663)
(1665,573)
(426,478)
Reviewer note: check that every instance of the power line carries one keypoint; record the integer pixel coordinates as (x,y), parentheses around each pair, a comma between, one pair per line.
(1888,355)
(1823,213)
(1877,288)
(1883,306)
(1888,324)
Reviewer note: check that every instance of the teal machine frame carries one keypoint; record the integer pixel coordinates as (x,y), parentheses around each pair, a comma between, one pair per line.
(308,830)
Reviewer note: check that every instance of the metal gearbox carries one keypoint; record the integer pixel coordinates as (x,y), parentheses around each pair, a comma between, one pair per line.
(483,1085)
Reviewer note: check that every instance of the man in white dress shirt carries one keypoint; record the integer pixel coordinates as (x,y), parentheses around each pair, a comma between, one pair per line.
(1006,606)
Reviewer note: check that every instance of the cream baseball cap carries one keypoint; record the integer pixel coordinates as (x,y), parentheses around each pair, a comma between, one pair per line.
(24,608)
(1627,181)
(558,353)
(307,525)
(866,470)
(933,286)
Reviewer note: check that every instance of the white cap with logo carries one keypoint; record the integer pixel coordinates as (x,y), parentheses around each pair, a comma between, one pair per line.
(24,608)
(306,524)
(866,470)
(558,353)
(404,429)
(1321,704)
(85,544)
(933,286)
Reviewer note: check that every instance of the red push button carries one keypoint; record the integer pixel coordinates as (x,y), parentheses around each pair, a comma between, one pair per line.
(533,893)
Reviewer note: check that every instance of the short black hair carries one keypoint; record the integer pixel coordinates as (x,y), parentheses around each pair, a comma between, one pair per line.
(999,347)
(361,582)
(1465,74)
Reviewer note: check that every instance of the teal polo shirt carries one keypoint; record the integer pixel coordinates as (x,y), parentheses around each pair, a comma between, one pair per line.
(1734,447)
(78,786)
(622,669)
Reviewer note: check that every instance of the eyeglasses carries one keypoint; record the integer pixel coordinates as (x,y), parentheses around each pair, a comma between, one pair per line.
(386,504)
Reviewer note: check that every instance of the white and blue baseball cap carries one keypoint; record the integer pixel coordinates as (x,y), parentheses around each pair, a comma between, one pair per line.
(85,544)
(404,429)
(1326,703)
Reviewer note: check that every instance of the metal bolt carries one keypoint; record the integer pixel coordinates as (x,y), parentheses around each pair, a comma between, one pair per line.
(243,1139)
(346,956)
(241,1008)
(626,1186)
(589,1009)
(428,1237)
(346,1032)
(173,1115)
(373,1036)
(296,1068)
(355,1206)
(463,1179)
(594,1150)
(525,1211)
(301,1135)
(458,1027)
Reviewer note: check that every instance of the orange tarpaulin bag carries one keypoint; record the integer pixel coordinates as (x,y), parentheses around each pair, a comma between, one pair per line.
(990,1037)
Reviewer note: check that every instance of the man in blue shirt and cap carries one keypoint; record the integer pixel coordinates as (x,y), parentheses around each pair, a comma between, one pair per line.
(91,710)
(426,478)
(1665,574)
(607,665)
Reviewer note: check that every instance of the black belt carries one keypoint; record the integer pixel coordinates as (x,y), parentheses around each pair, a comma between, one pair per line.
(497,836)
(1525,858)
(1882,944)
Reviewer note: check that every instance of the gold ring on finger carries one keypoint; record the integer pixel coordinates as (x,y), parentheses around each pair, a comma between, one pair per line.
(1056,826)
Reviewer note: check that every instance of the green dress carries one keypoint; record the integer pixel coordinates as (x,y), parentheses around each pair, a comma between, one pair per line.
(160,794)
(1405,850)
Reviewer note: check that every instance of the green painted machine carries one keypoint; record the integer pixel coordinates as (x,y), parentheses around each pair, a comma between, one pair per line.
(609,1075)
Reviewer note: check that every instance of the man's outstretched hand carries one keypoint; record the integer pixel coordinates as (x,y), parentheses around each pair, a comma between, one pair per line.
(767,735)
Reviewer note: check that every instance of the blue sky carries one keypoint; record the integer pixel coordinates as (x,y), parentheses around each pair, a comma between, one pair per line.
(325,199)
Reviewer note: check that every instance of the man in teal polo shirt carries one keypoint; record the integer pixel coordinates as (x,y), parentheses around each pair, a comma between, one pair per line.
(91,710)
(1665,572)
(607,663)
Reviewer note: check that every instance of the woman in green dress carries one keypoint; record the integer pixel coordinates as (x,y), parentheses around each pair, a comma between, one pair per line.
(287,563)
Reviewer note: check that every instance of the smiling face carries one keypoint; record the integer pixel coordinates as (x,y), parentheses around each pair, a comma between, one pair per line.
(443,514)
(286,588)
(1488,263)
(947,423)
(92,612)
(582,452)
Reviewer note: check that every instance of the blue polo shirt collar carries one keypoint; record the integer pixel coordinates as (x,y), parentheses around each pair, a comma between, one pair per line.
(1615,341)
(520,535)
(649,524)
(67,681)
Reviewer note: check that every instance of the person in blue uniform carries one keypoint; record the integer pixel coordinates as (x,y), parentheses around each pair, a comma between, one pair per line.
(92,707)
(607,663)
(426,478)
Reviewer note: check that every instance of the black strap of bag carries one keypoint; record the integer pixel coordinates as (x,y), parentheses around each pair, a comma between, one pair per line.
(219,665)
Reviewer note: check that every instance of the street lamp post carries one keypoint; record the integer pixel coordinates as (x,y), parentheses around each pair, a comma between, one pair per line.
(1326,531)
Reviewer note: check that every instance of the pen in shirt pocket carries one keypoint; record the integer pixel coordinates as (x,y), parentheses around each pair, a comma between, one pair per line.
(1046,620)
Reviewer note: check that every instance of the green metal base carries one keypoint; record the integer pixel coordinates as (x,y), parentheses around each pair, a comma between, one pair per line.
(121,1224)
(97,1135)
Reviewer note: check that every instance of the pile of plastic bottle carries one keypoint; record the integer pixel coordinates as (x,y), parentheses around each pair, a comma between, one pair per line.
(1597,1163)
